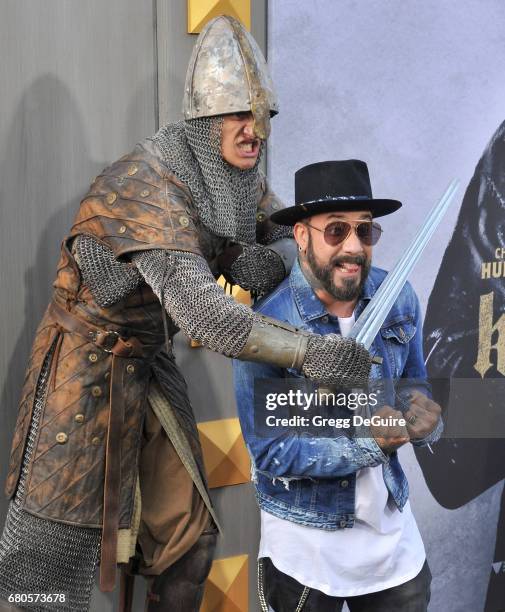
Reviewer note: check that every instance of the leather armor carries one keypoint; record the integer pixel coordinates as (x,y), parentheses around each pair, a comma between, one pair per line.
(88,439)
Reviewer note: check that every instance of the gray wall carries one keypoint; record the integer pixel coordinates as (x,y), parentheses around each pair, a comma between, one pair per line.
(76,94)
(82,82)
(415,89)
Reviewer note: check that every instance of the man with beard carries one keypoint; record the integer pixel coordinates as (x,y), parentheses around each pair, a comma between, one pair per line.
(336,523)
(106,462)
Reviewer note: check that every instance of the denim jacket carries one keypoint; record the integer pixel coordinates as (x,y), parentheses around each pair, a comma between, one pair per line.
(312,480)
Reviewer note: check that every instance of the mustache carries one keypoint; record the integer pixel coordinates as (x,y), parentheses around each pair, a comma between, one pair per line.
(358,260)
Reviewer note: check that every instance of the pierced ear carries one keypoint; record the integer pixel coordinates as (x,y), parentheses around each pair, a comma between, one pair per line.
(300,235)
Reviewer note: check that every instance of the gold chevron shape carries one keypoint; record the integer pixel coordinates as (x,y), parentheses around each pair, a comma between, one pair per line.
(227,587)
(224,453)
(241,295)
(202,11)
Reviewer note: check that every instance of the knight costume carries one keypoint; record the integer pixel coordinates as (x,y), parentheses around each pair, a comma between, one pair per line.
(104,415)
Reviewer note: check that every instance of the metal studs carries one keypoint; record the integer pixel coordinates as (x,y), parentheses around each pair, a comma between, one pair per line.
(93,357)
(275,206)
(95,441)
(96,391)
(122,229)
(79,418)
(144,193)
(61,437)
(133,169)
(261,216)
(111,197)
(344,484)
(106,375)
(184,221)
(130,368)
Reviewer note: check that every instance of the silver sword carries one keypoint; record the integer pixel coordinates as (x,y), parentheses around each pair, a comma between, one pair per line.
(373,316)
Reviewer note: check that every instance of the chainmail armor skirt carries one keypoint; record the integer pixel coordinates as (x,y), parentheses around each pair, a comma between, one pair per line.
(42,556)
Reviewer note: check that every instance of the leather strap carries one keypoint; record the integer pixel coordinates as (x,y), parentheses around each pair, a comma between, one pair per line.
(109,341)
(112,484)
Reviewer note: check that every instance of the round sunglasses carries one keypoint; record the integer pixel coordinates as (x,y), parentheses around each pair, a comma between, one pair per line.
(368,232)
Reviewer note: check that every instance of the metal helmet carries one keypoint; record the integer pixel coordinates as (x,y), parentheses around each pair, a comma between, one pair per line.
(227,73)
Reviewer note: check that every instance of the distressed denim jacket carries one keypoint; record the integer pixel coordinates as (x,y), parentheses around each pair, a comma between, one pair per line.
(312,480)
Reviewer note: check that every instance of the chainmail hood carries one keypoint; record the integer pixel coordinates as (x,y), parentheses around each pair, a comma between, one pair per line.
(225,197)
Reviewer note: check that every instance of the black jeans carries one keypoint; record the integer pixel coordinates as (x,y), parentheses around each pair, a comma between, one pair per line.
(284,594)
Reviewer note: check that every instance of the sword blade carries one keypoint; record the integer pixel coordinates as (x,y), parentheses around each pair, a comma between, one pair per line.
(371,319)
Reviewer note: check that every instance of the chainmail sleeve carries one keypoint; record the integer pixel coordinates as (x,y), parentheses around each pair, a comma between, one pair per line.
(108,279)
(197,304)
(277,232)
(186,287)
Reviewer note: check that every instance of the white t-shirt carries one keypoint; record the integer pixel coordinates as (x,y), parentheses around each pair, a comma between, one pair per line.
(384,548)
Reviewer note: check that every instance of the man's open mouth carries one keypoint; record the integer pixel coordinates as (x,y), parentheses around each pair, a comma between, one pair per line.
(249,148)
(348,268)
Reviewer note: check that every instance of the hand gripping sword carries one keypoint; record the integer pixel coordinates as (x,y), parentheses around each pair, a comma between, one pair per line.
(373,316)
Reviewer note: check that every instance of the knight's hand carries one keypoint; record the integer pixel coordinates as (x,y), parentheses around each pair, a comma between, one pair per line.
(227,258)
(253,267)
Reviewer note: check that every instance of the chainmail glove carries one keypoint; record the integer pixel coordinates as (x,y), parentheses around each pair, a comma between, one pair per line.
(333,359)
(254,267)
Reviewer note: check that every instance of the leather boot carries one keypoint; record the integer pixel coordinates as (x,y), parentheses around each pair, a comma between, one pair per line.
(180,587)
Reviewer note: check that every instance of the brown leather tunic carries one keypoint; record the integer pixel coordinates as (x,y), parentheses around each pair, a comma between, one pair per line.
(136,204)
(91,427)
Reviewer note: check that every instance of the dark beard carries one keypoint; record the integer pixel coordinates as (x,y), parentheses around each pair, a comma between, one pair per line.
(351,290)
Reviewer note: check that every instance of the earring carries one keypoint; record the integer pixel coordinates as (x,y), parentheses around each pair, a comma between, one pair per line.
(300,248)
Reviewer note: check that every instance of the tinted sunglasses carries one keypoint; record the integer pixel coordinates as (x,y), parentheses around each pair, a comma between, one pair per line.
(368,232)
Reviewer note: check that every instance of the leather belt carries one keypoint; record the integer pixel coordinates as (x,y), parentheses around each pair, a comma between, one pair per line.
(108,341)
(111,342)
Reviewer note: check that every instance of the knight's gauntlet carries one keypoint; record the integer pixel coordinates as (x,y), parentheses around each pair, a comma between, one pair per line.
(330,359)
(276,342)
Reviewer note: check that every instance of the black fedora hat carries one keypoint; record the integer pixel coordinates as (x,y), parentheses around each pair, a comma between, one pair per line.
(333,186)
